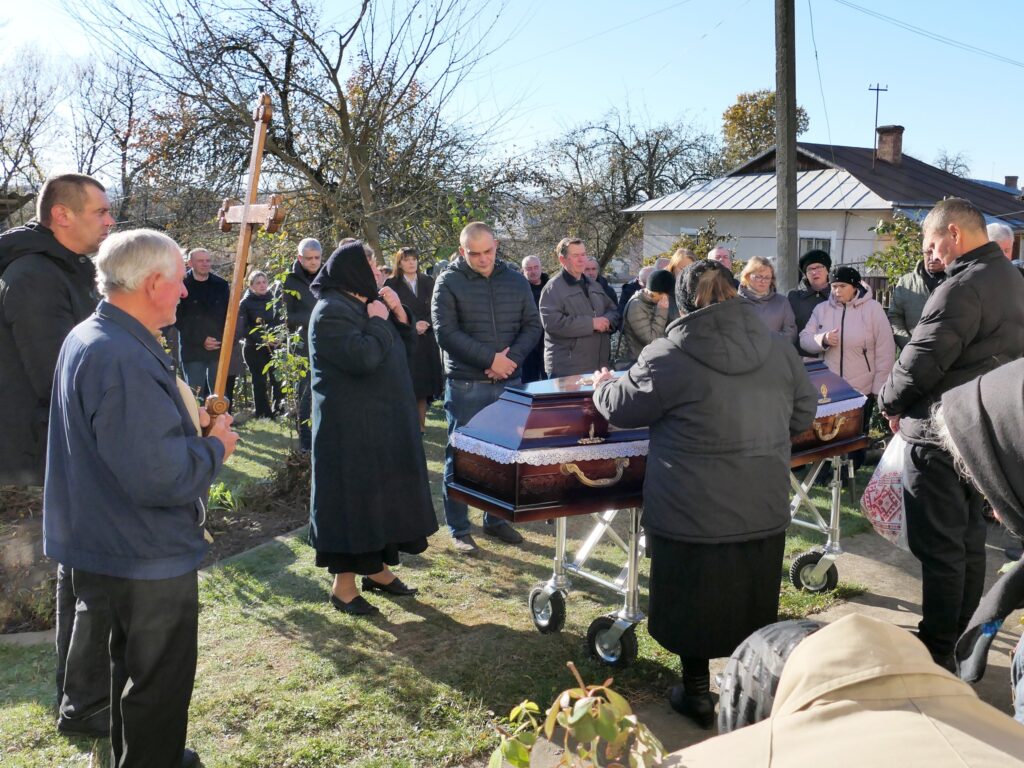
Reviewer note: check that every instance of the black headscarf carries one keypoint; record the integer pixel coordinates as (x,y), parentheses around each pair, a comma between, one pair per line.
(347,270)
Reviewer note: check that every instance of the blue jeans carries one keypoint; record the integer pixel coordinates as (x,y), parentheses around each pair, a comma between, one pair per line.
(201,375)
(462,401)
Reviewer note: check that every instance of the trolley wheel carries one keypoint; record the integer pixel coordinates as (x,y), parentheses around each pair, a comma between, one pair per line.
(550,618)
(615,653)
(800,573)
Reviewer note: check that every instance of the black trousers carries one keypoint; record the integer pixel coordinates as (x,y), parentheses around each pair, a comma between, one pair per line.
(304,395)
(946,532)
(153,649)
(265,390)
(83,658)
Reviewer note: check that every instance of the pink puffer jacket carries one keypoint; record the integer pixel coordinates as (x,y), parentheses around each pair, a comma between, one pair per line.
(866,350)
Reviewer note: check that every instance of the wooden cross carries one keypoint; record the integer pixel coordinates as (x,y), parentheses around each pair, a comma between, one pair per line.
(250,216)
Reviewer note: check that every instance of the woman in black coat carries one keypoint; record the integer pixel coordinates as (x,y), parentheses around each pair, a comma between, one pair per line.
(414,289)
(258,317)
(370,495)
(722,396)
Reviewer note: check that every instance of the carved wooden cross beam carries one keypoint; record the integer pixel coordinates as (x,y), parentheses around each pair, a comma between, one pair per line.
(250,216)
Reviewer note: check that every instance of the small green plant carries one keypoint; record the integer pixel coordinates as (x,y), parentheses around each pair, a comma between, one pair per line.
(222,498)
(598,729)
(902,254)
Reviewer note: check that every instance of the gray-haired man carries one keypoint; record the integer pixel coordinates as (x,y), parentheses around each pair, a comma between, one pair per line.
(298,304)
(126,474)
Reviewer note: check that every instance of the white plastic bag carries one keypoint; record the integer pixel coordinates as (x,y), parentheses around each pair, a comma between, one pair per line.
(882,502)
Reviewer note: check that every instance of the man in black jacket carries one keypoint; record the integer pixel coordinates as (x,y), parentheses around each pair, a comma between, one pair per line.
(486,324)
(298,304)
(200,320)
(972,323)
(47,287)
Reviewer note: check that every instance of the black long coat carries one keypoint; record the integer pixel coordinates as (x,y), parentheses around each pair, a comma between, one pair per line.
(425,364)
(370,485)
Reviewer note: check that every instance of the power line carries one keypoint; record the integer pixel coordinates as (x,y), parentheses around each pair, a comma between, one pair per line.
(588,38)
(932,35)
(821,86)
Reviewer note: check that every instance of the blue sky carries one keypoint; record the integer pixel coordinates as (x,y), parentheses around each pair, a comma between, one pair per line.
(568,61)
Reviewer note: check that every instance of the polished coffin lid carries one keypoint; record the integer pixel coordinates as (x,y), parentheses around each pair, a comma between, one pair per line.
(557,413)
(560,413)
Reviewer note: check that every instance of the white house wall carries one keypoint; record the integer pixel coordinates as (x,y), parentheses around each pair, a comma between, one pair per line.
(754,231)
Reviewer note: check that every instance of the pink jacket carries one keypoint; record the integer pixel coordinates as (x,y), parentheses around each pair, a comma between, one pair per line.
(866,350)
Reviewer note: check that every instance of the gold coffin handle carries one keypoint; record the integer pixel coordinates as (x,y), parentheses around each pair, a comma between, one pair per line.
(603,482)
(837,424)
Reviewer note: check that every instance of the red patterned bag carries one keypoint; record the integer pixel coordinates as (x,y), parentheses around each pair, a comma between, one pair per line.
(882,502)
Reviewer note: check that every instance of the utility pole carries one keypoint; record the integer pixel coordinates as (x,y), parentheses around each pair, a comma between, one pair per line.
(786,256)
(878,92)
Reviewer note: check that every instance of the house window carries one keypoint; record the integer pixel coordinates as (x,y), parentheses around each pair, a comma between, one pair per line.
(816,241)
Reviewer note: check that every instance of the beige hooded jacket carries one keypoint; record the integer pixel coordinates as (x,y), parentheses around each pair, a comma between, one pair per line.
(862,692)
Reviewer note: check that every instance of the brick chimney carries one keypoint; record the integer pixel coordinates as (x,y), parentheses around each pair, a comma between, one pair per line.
(1010,181)
(890,144)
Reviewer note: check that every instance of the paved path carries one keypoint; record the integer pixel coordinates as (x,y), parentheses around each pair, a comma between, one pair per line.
(894,594)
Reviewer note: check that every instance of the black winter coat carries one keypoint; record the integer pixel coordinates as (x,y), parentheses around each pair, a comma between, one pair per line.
(201,314)
(370,486)
(722,396)
(971,324)
(425,364)
(475,317)
(298,300)
(803,299)
(256,314)
(45,291)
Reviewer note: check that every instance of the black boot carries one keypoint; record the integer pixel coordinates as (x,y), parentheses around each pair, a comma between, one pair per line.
(693,698)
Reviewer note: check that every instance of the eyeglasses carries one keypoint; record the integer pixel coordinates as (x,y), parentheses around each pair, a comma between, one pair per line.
(761,278)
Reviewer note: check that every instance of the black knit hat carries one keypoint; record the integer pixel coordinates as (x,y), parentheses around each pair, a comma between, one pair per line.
(844,274)
(814,257)
(661,281)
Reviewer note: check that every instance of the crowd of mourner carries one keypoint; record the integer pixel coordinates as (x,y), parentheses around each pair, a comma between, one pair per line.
(110,341)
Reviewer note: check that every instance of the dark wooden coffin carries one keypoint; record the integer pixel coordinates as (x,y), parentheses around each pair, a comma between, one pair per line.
(558,417)
(839,427)
(554,415)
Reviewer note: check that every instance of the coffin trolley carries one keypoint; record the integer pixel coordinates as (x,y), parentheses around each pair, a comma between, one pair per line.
(837,431)
(544,452)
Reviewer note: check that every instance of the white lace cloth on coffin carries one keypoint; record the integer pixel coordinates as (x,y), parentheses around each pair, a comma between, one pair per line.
(840,406)
(540,457)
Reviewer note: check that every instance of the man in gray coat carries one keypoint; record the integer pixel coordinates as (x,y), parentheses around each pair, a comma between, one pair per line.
(910,295)
(577,315)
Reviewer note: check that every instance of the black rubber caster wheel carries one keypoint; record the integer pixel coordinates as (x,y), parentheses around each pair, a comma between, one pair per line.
(551,617)
(615,653)
(800,573)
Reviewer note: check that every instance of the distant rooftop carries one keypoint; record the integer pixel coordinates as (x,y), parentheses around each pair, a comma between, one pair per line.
(843,178)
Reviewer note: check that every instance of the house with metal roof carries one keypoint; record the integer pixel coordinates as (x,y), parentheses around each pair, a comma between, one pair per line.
(841,193)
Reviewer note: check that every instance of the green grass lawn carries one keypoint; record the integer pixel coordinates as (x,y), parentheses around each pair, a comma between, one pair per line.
(284,680)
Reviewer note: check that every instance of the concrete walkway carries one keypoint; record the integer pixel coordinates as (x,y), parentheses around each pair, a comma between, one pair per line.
(892,577)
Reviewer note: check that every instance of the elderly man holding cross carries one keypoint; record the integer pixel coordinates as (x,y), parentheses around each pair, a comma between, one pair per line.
(128,470)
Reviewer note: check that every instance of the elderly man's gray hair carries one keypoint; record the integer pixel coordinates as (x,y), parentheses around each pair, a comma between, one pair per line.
(529,260)
(999,232)
(309,244)
(125,259)
(644,275)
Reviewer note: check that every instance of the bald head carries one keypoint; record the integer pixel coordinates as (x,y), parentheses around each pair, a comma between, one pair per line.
(722,255)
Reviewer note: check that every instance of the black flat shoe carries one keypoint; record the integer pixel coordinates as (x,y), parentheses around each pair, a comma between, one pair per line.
(357,607)
(395,587)
(699,707)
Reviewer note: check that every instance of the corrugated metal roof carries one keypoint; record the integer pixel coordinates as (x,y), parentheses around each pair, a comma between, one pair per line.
(820,190)
(841,178)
